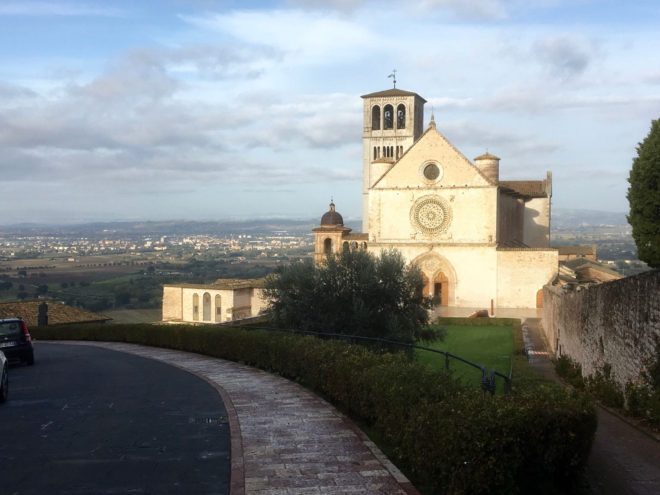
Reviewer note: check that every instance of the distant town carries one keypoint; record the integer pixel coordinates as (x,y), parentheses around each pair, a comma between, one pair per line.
(120,267)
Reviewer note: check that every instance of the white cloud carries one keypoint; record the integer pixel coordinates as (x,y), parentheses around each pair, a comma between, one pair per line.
(307,38)
(56,8)
(473,9)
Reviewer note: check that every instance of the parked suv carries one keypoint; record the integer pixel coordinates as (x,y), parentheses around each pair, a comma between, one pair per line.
(15,340)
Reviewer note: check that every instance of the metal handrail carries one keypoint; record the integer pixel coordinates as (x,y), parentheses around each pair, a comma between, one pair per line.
(487,379)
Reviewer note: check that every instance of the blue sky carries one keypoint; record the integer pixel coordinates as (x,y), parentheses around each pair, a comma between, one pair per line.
(204,109)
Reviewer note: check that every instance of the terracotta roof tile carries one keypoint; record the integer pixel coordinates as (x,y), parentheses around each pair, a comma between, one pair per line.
(529,188)
(225,284)
(58,313)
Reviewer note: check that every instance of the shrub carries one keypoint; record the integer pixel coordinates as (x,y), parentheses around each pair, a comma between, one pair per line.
(569,371)
(451,439)
(605,388)
(643,395)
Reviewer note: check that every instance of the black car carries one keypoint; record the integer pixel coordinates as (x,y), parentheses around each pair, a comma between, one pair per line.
(15,340)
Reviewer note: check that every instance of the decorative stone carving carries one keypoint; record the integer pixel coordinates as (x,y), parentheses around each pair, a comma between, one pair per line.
(430,265)
(431,215)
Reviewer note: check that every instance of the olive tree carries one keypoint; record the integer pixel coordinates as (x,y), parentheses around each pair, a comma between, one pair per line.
(353,293)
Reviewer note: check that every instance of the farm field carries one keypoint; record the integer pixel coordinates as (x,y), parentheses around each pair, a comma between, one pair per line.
(489,346)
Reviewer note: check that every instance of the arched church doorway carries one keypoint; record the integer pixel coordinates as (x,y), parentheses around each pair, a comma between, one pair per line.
(441,289)
(439,278)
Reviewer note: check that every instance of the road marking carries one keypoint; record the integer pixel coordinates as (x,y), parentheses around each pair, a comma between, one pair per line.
(43,427)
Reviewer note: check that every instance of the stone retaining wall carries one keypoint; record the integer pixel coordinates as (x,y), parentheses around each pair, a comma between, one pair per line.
(617,323)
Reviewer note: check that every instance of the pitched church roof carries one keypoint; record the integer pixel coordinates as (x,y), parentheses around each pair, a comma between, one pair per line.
(527,188)
(392,92)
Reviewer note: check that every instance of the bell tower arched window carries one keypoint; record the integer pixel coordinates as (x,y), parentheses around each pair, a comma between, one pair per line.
(401,116)
(327,246)
(388,117)
(375,118)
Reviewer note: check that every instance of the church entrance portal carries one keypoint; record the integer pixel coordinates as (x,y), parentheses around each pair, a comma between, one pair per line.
(437,293)
(441,289)
(439,278)
(426,291)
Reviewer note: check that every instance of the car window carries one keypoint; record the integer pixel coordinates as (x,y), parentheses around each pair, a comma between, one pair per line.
(9,328)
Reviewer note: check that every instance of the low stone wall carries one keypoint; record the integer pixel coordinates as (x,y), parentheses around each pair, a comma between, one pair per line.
(617,323)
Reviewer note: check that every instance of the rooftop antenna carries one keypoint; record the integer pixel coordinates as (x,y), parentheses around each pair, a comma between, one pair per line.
(393,76)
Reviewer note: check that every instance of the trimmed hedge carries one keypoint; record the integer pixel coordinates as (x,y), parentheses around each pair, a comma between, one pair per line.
(449,438)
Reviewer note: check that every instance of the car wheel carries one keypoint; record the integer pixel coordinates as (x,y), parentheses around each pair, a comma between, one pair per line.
(30,359)
(4,385)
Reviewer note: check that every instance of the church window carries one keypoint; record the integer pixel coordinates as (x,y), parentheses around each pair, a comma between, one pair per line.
(431,171)
(327,246)
(388,117)
(375,118)
(354,246)
(401,116)
(195,307)
(206,301)
(375,152)
(363,246)
(218,308)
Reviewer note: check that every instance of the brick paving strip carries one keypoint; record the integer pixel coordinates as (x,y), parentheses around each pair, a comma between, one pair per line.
(284,439)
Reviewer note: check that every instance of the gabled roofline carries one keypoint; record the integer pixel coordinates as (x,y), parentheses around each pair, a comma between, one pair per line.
(432,127)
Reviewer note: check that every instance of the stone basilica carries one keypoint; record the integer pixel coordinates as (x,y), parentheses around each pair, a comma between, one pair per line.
(478,240)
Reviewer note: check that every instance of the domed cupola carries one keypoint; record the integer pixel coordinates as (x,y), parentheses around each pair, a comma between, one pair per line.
(331,218)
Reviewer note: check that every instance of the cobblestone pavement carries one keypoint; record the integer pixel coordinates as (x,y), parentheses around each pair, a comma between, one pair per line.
(285,440)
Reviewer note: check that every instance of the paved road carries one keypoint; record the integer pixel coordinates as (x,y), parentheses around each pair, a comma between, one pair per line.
(623,460)
(86,420)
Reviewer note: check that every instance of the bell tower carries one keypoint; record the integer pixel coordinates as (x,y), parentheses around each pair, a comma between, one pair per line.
(393,121)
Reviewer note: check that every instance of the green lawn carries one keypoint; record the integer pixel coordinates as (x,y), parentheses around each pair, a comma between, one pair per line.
(489,346)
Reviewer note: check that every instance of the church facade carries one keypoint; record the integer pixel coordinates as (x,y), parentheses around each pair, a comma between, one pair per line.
(478,240)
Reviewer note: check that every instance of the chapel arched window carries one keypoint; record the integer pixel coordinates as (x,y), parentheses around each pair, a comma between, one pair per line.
(327,246)
(206,307)
(195,301)
(218,308)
